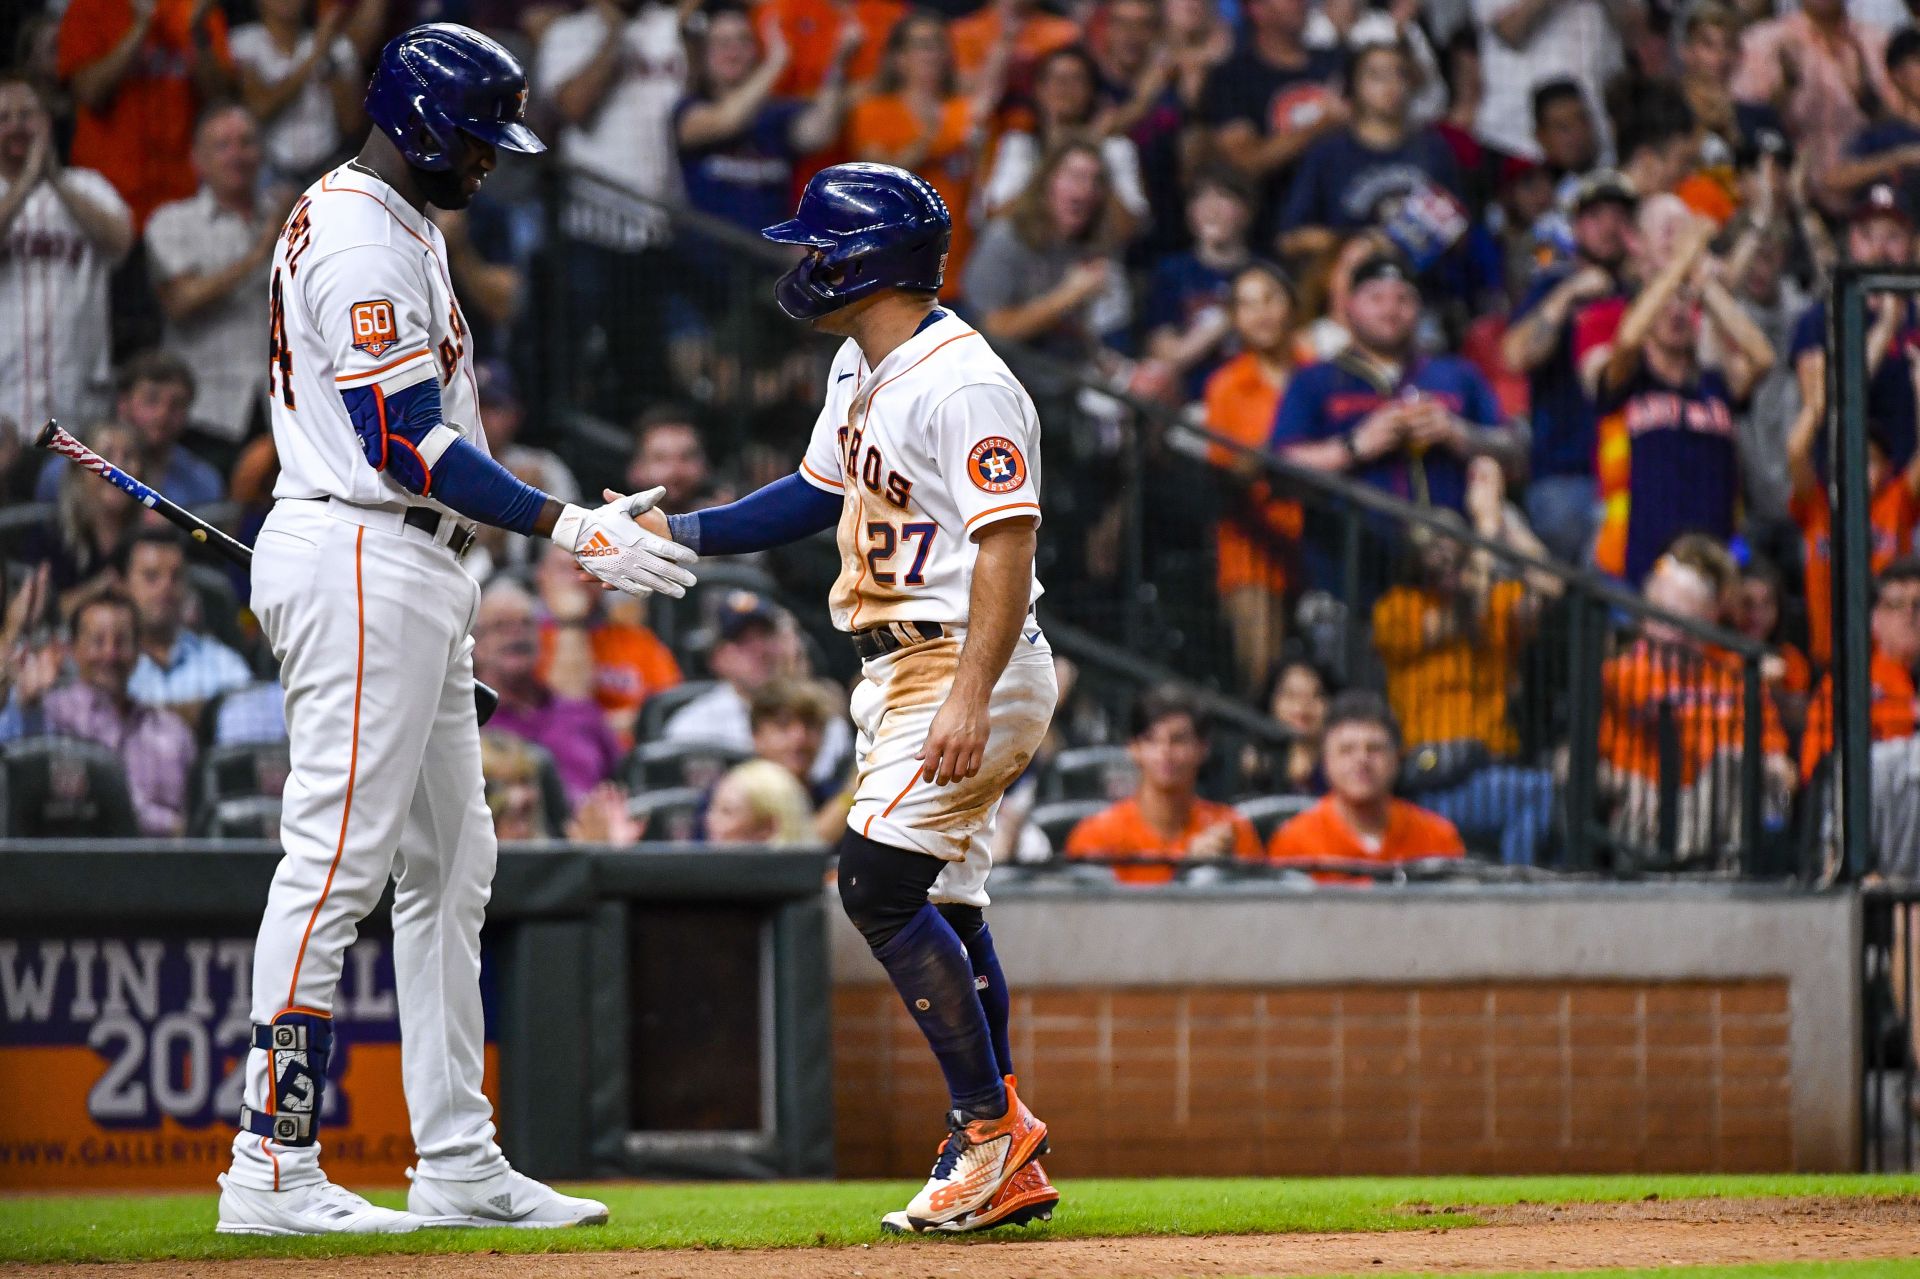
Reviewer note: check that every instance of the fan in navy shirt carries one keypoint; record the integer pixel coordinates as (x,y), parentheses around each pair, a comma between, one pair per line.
(1539,343)
(1879,233)
(1186,311)
(1382,171)
(1384,414)
(1669,463)
(1888,150)
(1273,98)
(738,146)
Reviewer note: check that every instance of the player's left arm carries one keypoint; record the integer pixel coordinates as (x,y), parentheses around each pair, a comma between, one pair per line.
(956,743)
(985,443)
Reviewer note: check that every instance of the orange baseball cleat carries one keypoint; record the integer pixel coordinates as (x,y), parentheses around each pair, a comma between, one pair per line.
(979,1159)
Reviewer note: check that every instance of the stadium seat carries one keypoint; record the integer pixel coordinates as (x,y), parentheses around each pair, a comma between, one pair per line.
(658,709)
(653,765)
(245,817)
(66,788)
(1105,773)
(219,606)
(1269,812)
(667,814)
(235,772)
(1056,820)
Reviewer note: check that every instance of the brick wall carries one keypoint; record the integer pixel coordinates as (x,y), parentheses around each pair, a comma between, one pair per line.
(1574,1077)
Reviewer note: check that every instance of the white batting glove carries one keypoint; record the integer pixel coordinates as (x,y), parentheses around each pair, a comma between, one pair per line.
(607,543)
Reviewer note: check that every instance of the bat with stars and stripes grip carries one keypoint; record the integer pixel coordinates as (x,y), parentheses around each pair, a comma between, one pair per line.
(56,439)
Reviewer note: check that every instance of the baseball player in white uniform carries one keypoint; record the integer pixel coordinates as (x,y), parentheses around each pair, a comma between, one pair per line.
(358,586)
(926,459)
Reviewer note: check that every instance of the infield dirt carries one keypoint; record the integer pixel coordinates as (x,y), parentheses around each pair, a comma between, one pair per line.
(1521,1237)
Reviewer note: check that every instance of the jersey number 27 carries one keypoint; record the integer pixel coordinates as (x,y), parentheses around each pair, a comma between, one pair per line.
(885,542)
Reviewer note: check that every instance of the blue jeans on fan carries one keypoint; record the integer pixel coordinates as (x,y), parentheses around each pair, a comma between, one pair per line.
(1501,804)
(1562,510)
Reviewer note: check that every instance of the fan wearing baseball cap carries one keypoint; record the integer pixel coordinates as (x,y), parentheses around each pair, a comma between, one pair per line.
(1888,150)
(1382,410)
(1879,233)
(1539,343)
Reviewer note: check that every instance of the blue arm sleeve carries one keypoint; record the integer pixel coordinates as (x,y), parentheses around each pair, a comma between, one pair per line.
(784,511)
(394,430)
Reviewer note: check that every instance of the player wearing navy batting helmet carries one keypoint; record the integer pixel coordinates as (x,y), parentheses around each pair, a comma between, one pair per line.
(926,459)
(358,585)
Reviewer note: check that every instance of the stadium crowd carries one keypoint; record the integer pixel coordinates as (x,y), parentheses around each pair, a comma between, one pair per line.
(1552,270)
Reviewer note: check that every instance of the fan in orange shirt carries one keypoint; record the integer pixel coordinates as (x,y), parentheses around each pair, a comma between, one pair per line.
(584,653)
(1896,654)
(979,35)
(1359,820)
(140,75)
(811,29)
(1673,722)
(1165,817)
(1258,529)
(918,120)
(1667,676)
(1893,511)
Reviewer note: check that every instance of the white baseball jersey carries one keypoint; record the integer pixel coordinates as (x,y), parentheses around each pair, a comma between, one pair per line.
(54,360)
(937,443)
(372,624)
(359,296)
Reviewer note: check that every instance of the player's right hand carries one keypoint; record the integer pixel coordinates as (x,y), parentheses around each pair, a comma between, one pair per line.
(607,543)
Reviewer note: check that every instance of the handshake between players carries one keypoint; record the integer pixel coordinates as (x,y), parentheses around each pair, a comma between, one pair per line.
(610,545)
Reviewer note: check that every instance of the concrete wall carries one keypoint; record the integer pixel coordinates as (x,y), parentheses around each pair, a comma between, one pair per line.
(1585,1028)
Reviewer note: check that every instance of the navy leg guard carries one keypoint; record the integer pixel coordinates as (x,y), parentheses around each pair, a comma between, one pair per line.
(989,983)
(298,1045)
(884,891)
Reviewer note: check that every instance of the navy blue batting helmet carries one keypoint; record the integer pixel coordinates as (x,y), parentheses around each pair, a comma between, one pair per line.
(873,227)
(436,79)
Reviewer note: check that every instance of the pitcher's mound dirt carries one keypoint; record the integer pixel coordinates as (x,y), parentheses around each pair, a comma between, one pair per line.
(1522,1237)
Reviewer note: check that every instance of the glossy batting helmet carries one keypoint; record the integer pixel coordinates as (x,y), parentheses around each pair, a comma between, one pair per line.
(438,79)
(873,227)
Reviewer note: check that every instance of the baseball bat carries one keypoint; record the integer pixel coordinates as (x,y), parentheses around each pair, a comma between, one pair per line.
(56,439)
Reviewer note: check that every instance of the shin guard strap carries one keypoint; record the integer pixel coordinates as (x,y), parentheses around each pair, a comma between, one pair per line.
(297,1047)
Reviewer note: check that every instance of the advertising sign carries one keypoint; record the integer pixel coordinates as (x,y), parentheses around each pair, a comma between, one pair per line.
(120,1060)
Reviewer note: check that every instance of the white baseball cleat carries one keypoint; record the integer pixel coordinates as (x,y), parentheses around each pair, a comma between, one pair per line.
(319,1209)
(1027,1197)
(981,1156)
(506,1199)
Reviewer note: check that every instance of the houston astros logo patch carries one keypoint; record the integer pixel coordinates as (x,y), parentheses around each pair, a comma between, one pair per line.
(996,465)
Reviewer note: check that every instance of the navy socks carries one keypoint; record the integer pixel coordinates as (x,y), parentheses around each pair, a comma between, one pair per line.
(931,969)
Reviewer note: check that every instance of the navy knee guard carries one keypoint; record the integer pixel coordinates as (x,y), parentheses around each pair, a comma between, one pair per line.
(881,887)
(298,1045)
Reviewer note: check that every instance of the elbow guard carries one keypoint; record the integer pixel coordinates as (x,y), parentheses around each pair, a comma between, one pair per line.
(401,434)
(400,428)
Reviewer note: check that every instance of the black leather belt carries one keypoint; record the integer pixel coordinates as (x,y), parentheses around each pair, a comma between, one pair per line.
(431,522)
(891,637)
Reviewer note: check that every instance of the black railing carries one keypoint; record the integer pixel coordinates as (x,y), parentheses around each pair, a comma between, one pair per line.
(1888,967)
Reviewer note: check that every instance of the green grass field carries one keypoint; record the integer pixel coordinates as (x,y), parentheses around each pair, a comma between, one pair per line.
(810,1214)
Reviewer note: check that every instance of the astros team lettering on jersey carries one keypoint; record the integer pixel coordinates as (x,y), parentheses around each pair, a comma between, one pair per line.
(359,296)
(937,443)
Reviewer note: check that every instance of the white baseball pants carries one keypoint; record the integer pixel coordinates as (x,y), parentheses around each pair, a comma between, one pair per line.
(371,621)
(893,707)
